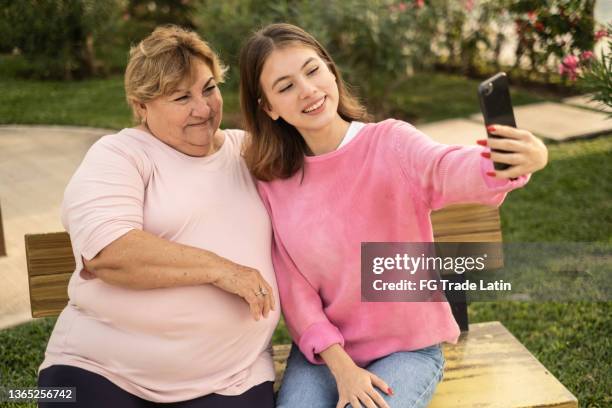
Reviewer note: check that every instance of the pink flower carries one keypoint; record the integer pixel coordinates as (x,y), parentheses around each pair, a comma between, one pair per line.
(402,7)
(601,34)
(532,15)
(419,3)
(469,5)
(586,55)
(569,67)
(570,61)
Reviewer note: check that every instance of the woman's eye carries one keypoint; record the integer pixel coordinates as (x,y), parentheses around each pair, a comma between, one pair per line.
(312,71)
(286,88)
(181,98)
(210,89)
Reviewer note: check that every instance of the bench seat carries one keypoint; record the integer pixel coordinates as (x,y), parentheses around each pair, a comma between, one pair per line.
(487,368)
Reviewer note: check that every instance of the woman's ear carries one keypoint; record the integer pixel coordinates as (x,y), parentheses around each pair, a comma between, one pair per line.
(141,108)
(268,109)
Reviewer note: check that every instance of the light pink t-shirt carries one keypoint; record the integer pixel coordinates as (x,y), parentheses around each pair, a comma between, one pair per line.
(169,344)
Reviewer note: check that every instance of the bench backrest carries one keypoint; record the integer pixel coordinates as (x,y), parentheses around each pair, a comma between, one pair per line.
(51,262)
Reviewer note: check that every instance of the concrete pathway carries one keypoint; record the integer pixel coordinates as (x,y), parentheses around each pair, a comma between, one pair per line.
(558,121)
(455,131)
(36,163)
(584,101)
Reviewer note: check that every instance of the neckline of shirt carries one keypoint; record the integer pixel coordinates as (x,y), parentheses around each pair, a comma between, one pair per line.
(199,159)
(351,135)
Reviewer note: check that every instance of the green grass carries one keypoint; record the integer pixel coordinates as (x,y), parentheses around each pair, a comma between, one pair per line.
(101,102)
(573,195)
(96,102)
(428,97)
(569,201)
(92,102)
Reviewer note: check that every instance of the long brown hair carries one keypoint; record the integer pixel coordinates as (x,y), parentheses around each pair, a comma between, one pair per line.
(276,148)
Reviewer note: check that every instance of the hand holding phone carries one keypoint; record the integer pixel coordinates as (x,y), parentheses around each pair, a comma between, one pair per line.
(518,152)
(496,107)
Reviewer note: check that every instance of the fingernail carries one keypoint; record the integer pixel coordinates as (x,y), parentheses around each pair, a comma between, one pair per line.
(389,391)
(482,142)
(491,128)
(486,155)
(491,173)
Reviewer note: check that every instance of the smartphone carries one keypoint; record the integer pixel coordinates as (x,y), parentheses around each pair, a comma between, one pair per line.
(496,107)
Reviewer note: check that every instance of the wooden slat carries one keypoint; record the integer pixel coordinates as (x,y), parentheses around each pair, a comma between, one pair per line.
(50,264)
(49,254)
(48,294)
(490,368)
(470,223)
(487,368)
(280,353)
(467,223)
(2,242)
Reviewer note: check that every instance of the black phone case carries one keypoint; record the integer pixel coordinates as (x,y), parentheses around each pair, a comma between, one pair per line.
(496,107)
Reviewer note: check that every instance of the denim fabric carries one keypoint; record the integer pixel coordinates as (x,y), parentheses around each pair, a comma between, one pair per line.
(413,376)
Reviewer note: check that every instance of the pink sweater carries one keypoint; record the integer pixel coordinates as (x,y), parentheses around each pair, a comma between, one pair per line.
(380,187)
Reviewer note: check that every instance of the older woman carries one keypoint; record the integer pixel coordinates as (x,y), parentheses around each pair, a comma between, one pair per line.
(173,298)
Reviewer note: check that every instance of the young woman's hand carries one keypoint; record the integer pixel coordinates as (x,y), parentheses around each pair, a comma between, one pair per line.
(356,387)
(527,154)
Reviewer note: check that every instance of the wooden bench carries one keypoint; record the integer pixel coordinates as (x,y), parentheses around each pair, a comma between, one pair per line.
(487,368)
(2,242)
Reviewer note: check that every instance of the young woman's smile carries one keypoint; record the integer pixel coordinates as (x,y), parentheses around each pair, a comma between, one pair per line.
(300,88)
(315,108)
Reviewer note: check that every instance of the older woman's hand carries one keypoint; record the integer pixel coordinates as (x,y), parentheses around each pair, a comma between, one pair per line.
(247,283)
(526,153)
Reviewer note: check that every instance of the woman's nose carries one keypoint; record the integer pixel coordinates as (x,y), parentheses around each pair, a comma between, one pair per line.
(201,108)
(306,89)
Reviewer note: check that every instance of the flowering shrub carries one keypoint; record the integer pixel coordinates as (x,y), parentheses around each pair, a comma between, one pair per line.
(550,32)
(376,43)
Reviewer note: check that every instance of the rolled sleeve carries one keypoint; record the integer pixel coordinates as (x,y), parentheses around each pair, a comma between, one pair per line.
(318,337)
(104,199)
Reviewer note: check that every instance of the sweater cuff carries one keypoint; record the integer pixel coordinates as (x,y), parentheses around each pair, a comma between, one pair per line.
(318,337)
(501,185)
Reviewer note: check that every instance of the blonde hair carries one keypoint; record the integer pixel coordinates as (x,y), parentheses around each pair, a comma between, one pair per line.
(277,149)
(160,62)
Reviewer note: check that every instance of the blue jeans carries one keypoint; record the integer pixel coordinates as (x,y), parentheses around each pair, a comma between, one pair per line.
(413,376)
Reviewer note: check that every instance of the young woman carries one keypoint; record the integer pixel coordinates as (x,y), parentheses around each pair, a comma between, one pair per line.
(331,181)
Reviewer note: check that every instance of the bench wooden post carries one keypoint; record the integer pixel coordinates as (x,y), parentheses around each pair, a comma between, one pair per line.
(50,264)
(2,242)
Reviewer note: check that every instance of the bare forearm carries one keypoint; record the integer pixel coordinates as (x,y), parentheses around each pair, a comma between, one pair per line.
(337,359)
(140,260)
